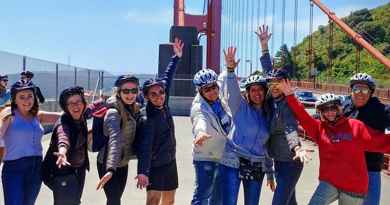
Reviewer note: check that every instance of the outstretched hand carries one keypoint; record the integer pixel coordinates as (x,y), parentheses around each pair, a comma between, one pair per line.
(263,35)
(285,87)
(62,160)
(201,138)
(302,154)
(230,58)
(142,181)
(178,47)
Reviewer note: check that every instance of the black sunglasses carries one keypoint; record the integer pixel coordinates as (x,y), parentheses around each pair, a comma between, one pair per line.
(128,91)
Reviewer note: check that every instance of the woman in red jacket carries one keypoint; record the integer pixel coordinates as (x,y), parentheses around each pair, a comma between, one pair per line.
(341,142)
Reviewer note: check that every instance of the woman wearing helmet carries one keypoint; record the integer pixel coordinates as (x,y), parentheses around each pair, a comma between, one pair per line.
(22,131)
(158,159)
(284,144)
(342,142)
(120,125)
(66,160)
(211,120)
(362,105)
(245,158)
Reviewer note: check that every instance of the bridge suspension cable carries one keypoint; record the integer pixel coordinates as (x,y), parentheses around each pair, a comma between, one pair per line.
(265,11)
(294,53)
(283,20)
(257,25)
(273,27)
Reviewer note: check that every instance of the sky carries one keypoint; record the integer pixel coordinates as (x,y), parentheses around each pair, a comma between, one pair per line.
(119,36)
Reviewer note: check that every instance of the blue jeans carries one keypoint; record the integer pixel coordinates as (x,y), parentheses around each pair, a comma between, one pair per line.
(231,187)
(21,180)
(374,189)
(326,194)
(287,175)
(207,184)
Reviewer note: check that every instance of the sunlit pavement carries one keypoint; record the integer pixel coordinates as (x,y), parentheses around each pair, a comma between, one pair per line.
(305,188)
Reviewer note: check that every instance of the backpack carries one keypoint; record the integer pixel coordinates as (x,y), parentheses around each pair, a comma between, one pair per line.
(96,111)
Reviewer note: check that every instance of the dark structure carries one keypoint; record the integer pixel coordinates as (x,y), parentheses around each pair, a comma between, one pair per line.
(190,63)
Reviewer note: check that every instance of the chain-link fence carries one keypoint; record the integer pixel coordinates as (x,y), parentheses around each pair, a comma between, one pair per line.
(52,77)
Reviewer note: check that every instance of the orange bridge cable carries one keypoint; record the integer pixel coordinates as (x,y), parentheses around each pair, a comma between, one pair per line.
(355,36)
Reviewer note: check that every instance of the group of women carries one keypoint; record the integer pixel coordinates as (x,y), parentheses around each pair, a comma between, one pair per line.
(238,137)
(244,136)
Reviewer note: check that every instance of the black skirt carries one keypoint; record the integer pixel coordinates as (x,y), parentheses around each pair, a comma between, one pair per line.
(163,178)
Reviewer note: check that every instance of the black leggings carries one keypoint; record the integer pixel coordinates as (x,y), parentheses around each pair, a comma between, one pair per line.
(116,185)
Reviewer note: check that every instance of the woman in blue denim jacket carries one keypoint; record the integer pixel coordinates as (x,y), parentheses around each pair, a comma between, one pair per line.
(245,157)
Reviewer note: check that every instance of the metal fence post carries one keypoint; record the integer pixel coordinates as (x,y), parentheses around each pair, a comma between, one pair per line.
(89,79)
(102,80)
(75,75)
(24,63)
(57,87)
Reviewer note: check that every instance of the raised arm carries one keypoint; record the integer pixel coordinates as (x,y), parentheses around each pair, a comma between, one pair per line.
(228,81)
(169,73)
(310,124)
(264,37)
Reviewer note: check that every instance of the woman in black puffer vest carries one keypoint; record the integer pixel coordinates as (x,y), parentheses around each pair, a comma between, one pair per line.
(66,160)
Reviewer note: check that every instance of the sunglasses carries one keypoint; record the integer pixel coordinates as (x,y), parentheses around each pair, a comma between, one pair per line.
(207,89)
(357,90)
(329,108)
(157,94)
(127,91)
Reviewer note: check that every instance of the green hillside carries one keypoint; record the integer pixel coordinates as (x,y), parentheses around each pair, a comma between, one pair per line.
(373,24)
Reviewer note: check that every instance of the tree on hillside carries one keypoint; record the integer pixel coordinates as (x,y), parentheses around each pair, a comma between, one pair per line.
(283,59)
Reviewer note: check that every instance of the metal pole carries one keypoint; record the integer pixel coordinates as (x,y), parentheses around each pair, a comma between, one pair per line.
(75,76)
(24,63)
(251,67)
(102,80)
(89,79)
(57,86)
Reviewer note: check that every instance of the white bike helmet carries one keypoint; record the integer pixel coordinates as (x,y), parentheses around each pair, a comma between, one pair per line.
(363,78)
(204,77)
(255,79)
(327,98)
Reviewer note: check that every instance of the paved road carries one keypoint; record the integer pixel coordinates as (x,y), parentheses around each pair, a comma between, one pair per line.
(305,187)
